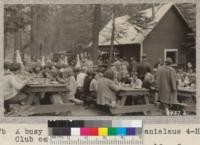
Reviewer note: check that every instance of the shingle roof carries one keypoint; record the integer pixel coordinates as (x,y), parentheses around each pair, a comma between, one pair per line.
(128,33)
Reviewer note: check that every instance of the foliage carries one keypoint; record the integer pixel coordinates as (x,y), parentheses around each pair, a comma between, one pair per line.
(69,27)
(16,17)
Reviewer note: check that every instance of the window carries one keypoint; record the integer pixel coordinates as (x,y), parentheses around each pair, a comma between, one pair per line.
(173,54)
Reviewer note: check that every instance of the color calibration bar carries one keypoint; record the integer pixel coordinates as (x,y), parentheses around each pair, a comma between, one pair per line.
(95,128)
(85,132)
(111,131)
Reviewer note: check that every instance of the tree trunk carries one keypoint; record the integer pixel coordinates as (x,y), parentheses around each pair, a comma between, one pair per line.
(34,49)
(20,43)
(112,36)
(5,44)
(96,29)
(16,45)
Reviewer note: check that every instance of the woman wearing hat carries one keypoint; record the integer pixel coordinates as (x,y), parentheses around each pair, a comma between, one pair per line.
(167,85)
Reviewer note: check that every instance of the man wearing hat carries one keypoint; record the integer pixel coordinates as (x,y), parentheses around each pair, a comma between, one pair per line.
(143,67)
(167,85)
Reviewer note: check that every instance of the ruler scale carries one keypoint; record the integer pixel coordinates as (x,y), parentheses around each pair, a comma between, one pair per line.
(95,132)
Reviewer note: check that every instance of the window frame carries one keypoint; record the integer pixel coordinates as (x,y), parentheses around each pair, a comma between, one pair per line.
(171,50)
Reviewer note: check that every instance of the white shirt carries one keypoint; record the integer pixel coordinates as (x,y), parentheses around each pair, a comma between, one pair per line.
(93,85)
(80,79)
(11,86)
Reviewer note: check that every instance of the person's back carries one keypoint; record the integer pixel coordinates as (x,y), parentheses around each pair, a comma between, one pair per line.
(86,85)
(12,84)
(143,68)
(106,91)
(163,77)
(134,65)
(166,80)
(10,88)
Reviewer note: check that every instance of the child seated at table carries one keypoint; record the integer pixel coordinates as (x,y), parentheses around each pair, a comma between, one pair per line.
(69,80)
(136,82)
(86,88)
(46,73)
(81,74)
(37,70)
(94,85)
(150,84)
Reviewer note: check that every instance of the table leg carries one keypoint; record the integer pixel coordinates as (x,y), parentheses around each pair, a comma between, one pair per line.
(56,99)
(146,99)
(30,99)
(123,100)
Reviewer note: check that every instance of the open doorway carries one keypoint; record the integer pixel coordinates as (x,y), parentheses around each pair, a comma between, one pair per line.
(129,50)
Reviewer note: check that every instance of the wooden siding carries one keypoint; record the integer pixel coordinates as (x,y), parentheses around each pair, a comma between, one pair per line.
(168,34)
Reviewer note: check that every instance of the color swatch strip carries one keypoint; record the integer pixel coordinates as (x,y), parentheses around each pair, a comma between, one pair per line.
(60,131)
(95,128)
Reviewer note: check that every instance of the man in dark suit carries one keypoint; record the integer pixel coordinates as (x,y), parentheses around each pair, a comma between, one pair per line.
(143,67)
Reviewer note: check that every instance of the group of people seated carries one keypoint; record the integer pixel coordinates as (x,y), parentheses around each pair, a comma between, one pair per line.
(86,84)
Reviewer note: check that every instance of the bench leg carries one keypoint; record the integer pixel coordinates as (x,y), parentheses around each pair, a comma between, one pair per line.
(146,100)
(30,99)
(123,100)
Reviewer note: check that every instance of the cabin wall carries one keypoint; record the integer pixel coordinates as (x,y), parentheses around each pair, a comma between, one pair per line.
(170,33)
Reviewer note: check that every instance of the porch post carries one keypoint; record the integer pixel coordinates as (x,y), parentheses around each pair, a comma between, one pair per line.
(141,50)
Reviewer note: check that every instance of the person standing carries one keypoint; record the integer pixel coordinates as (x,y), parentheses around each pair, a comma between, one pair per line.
(143,67)
(159,64)
(167,85)
(133,66)
(189,68)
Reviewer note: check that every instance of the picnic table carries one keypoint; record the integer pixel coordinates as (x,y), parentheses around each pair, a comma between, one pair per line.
(188,96)
(37,91)
(35,88)
(125,93)
(147,108)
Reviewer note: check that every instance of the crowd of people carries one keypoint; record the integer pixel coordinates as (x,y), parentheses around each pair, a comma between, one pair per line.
(89,84)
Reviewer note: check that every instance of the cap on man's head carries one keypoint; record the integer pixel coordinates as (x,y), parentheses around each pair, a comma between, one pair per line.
(144,55)
(168,60)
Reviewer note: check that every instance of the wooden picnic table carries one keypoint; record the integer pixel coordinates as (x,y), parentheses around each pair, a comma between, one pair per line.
(147,108)
(126,92)
(189,95)
(38,88)
(37,91)
(186,92)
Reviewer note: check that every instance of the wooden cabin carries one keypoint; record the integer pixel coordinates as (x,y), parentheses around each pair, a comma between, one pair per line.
(163,37)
